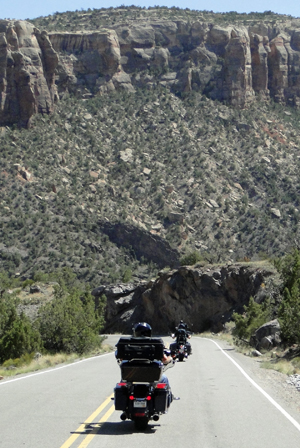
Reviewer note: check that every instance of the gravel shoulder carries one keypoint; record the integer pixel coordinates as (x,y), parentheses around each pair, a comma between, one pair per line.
(278,385)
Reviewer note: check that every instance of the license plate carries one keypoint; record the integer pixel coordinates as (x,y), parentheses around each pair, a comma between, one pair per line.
(140,404)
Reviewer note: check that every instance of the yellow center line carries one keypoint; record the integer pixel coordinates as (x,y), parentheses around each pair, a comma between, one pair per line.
(89,438)
(79,431)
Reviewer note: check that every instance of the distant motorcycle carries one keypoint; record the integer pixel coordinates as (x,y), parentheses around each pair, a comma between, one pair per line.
(181,349)
(141,394)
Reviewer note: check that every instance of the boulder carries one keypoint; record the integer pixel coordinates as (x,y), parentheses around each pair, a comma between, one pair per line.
(266,336)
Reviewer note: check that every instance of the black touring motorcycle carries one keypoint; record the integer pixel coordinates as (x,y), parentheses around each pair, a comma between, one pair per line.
(142,394)
(181,349)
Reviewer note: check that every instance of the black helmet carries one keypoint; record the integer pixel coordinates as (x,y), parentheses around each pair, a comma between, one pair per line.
(181,324)
(142,329)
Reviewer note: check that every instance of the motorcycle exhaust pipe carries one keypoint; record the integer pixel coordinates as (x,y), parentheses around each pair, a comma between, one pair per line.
(123,416)
(155,417)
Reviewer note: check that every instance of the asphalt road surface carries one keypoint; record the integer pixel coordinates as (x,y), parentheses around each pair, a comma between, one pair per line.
(220,406)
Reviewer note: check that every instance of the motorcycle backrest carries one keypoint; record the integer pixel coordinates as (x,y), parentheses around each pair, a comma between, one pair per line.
(140,348)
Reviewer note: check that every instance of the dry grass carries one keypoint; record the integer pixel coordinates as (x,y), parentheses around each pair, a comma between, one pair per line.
(282,366)
(269,360)
(47,361)
(288,367)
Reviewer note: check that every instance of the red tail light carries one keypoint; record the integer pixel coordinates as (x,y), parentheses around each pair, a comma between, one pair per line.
(139,414)
(161,386)
(122,384)
(131,397)
(148,398)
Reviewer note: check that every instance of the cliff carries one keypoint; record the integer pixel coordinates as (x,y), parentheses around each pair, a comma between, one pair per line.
(230,63)
(27,72)
(204,297)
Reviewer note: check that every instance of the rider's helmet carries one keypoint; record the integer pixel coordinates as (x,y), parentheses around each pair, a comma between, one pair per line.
(142,329)
(181,324)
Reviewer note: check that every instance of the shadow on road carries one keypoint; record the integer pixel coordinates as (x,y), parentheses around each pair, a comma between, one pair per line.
(114,429)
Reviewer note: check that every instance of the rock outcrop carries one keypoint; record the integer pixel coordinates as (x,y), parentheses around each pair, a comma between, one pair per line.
(229,63)
(205,298)
(27,72)
(142,243)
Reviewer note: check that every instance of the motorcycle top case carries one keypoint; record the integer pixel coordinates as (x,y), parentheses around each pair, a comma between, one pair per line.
(141,371)
(140,348)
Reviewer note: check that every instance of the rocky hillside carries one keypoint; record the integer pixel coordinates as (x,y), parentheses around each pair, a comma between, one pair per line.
(150,134)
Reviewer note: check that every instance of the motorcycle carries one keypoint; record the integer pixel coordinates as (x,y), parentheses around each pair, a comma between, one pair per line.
(181,349)
(143,394)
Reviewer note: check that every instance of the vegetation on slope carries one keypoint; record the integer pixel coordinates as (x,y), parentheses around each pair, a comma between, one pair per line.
(66,323)
(93,19)
(201,175)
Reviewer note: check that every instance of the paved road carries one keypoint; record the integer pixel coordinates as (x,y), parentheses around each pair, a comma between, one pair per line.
(220,407)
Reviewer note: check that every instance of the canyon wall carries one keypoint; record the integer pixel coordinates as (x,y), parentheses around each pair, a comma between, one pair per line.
(228,63)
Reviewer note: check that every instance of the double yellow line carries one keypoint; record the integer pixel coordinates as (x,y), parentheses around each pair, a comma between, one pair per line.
(80,431)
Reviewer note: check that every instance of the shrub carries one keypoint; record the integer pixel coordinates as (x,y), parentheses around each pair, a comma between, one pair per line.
(127,275)
(70,322)
(17,334)
(191,259)
(289,309)
(255,315)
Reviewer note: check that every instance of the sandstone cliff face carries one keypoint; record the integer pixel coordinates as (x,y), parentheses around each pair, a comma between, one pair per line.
(27,69)
(205,298)
(230,63)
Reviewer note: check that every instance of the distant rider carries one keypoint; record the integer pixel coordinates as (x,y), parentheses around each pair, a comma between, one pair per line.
(183,330)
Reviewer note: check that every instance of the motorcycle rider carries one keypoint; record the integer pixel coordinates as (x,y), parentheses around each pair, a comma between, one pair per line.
(183,326)
(141,358)
(143,329)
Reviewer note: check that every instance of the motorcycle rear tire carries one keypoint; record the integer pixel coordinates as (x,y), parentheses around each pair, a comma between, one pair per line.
(141,423)
(180,357)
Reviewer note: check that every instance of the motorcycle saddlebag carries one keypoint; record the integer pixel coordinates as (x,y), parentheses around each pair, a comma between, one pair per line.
(141,371)
(140,348)
(173,346)
(120,398)
(161,400)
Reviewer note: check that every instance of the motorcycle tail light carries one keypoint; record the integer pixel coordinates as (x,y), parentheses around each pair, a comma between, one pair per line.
(131,397)
(161,386)
(148,398)
(122,384)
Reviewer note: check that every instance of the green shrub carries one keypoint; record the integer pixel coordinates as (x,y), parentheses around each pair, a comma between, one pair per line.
(127,275)
(18,336)
(289,309)
(191,259)
(255,315)
(70,322)
(27,282)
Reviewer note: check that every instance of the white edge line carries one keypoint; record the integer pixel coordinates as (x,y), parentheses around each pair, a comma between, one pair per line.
(54,369)
(260,389)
